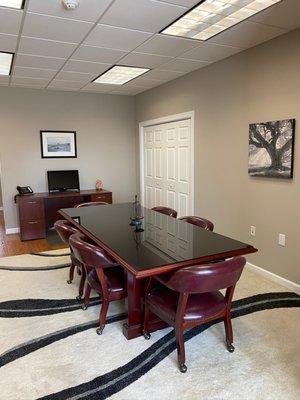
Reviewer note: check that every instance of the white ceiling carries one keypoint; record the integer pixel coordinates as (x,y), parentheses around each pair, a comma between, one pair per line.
(65,50)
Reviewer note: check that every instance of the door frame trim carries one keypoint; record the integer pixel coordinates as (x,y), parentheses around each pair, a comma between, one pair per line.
(163,120)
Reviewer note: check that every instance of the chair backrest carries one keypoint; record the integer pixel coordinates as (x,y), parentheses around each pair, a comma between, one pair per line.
(208,277)
(88,253)
(64,230)
(199,221)
(166,210)
(90,203)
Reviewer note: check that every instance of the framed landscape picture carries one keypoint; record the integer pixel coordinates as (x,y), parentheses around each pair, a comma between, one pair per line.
(58,144)
(271,149)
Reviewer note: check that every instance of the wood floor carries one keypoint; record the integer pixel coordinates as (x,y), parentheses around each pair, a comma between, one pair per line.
(11,245)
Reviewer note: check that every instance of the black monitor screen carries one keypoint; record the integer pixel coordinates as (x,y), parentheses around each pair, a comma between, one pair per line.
(63,180)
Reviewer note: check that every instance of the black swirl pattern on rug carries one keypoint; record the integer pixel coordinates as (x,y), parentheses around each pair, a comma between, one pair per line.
(42,341)
(50,255)
(104,386)
(108,384)
(39,307)
(46,268)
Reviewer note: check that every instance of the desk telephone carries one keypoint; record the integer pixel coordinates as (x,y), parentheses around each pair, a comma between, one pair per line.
(24,190)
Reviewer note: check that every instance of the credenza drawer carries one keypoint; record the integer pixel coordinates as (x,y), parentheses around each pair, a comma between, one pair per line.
(31,209)
(106,197)
(32,229)
(32,218)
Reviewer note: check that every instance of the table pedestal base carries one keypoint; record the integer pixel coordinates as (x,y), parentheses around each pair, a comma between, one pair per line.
(133,331)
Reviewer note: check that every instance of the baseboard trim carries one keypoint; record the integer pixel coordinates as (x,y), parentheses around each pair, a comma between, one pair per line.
(275,278)
(11,231)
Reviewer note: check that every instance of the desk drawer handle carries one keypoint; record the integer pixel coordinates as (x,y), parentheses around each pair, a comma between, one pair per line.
(101,197)
(33,222)
(31,202)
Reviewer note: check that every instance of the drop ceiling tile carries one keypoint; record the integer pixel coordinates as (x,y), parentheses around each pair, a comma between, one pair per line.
(8,42)
(129,90)
(211,52)
(86,66)
(167,45)
(88,10)
(54,28)
(34,73)
(116,38)
(25,60)
(63,89)
(99,87)
(144,60)
(98,54)
(10,20)
(62,84)
(143,15)
(75,76)
(22,81)
(182,65)
(163,76)
(144,82)
(183,3)
(4,80)
(285,14)
(247,34)
(119,93)
(94,91)
(48,48)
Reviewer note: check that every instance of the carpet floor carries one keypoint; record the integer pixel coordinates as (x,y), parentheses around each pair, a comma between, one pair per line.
(49,348)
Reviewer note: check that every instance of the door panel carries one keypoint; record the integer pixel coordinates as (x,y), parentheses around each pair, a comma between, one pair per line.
(149,162)
(158,196)
(171,163)
(171,199)
(167,166)
(149,200)
(182,204)
(158,161)
(183,165)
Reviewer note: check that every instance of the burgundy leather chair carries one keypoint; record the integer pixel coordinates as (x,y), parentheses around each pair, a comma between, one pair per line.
(103,275)
(90,203)
(65,230)
(166,210)
(199,221)
(191,297)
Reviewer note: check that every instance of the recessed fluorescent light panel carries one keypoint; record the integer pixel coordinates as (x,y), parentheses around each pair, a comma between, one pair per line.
(211,17)
(5,63)
(118,75)
(12,3)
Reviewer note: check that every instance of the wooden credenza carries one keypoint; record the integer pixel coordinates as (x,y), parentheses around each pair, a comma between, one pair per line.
(39,211)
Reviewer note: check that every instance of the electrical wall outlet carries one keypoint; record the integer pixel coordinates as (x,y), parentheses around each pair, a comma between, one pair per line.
(252,230)
(281,239)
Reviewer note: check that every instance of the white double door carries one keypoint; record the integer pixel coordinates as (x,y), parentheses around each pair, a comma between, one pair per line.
(168,166)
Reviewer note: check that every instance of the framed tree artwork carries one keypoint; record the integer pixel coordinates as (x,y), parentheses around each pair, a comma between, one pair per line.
(271,148)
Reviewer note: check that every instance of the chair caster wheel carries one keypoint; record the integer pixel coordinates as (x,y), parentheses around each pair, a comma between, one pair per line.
(182,368)
(230,348)
(84,307)
(69,281)
(79,297)
(99,330)
(146,335)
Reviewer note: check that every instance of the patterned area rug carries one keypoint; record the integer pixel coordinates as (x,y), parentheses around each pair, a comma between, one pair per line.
(49,348)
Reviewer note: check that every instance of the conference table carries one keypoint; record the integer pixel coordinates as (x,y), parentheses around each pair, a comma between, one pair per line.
(159,244)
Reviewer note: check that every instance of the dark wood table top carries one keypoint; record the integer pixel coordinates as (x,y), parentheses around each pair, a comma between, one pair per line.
(165,244)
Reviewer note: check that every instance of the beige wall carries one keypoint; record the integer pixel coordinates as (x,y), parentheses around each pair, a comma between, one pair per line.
(260,84)
(0,192)
(105,141)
